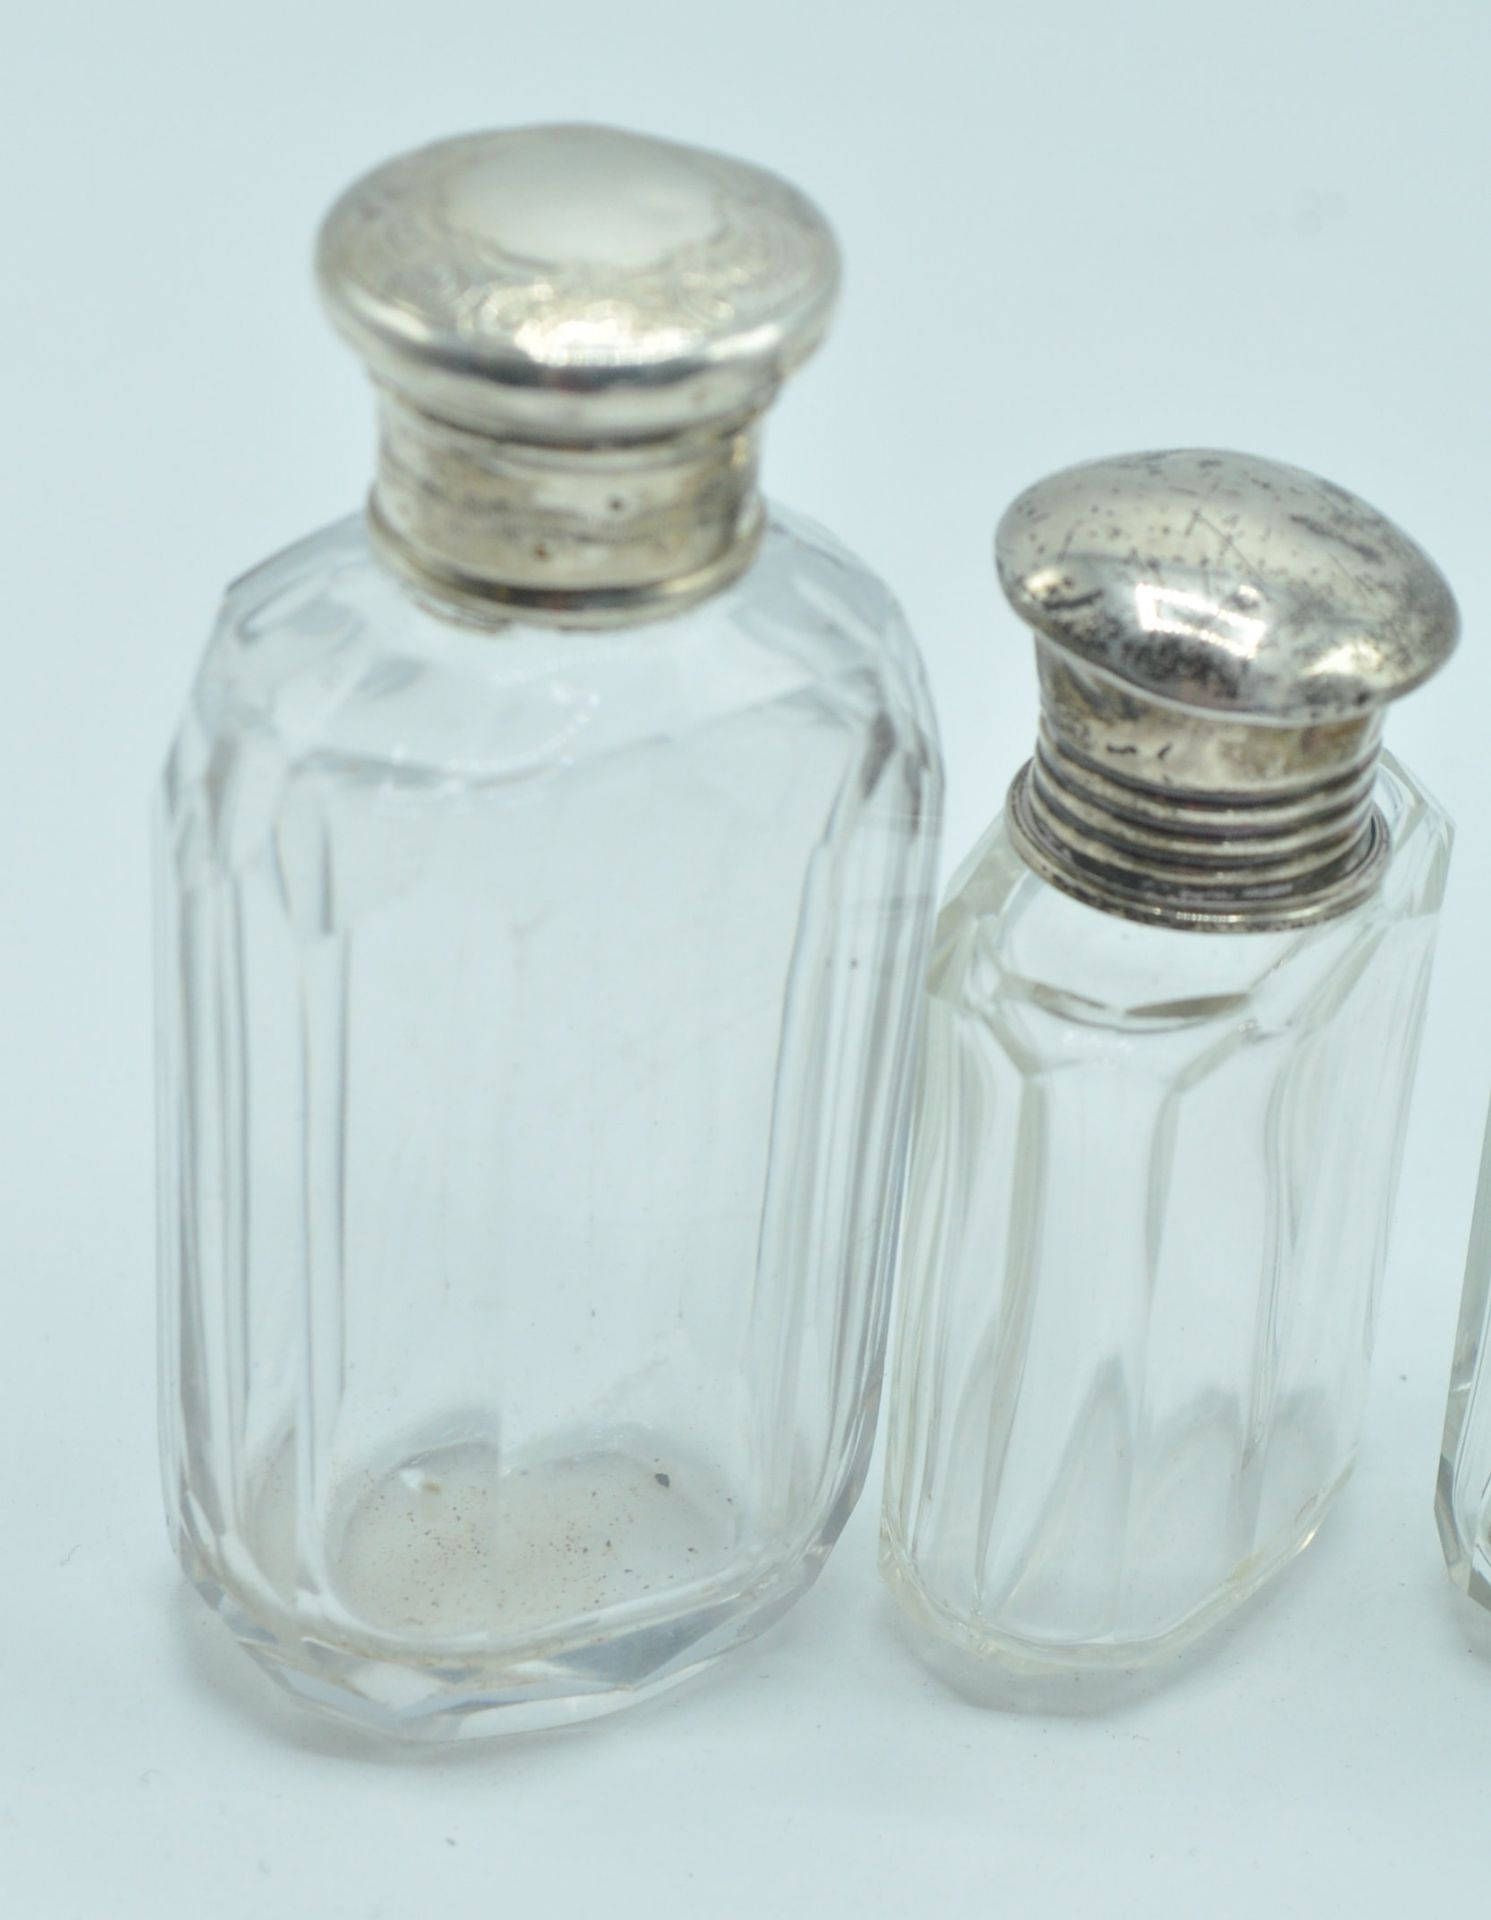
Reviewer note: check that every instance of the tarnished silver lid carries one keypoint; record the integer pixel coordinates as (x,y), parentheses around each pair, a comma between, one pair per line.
(615,312)
(1217,638)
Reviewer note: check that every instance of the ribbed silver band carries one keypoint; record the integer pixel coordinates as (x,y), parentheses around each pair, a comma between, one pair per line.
(1216,862)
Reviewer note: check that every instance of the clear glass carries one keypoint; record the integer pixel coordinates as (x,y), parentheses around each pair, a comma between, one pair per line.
(1462,1503)
(537,1024)
(1150,1192)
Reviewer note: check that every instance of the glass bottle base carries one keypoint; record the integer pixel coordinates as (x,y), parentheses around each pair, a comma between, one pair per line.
(464,1595)
(1003,1671)
(1467,1550)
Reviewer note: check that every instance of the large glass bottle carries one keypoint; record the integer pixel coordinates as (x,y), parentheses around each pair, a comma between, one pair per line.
(547,862)
(1171,1026)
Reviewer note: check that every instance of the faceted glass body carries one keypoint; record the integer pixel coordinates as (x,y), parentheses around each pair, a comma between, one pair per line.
(1462,1504)
(1151,1185)
(537,1017)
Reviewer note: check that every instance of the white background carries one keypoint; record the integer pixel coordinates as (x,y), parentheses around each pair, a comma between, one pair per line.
(1071,230)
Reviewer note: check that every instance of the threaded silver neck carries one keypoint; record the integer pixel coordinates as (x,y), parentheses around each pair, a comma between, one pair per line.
(1219,862)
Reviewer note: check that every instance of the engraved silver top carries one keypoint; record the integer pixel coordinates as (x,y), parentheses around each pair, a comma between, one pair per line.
(1226,583)
(577,283)
(1217,636)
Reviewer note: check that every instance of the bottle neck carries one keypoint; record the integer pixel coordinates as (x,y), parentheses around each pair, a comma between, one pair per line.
(589,536)
(1186,819)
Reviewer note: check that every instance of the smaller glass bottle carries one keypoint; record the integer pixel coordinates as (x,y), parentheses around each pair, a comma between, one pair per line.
(1171,1027)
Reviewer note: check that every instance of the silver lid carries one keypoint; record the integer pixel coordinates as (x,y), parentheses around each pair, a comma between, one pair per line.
(574,331)
(578,283)
(1226,583)
(1217,637)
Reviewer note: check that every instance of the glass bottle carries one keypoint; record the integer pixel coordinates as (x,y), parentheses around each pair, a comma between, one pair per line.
(1462,1502)
(1171,1025)
(547,863)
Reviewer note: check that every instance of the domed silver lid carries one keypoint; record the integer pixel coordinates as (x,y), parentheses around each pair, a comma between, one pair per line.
(1226,583)
(578,283)
(574,331)
(1217,636)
